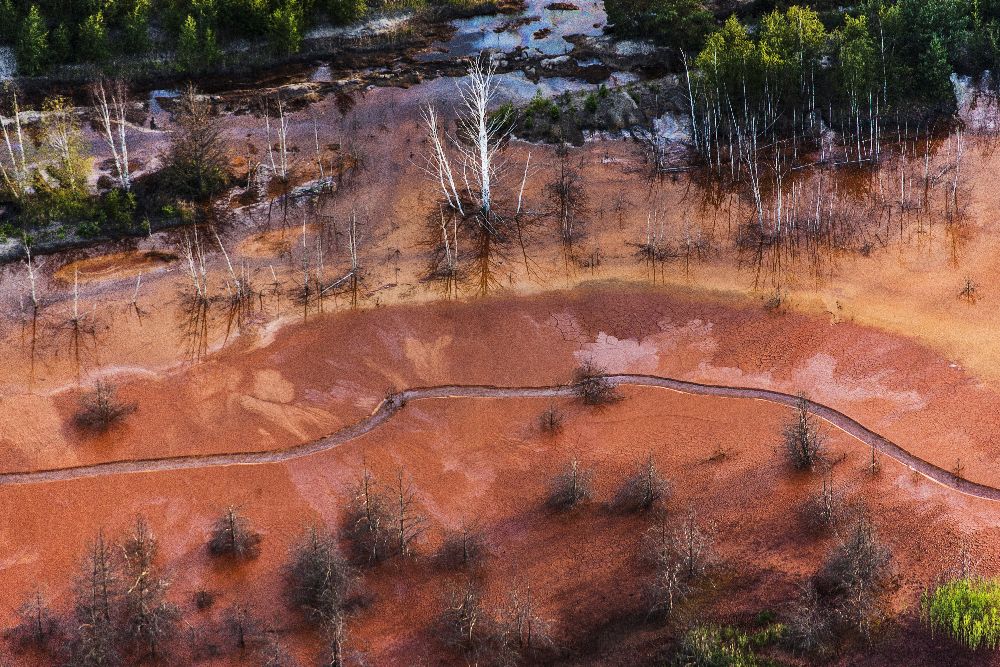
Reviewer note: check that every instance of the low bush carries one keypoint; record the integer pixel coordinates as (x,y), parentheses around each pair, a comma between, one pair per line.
(593,386)
(804,443)
(571,487)
(101,408)
(233,536)
(713,646)
(551,421)
(643,490)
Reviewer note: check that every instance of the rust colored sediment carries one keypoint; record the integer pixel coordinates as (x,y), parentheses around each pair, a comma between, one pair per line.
(394,403)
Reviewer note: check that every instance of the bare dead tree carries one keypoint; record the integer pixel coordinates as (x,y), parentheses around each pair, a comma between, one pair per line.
(969,291)
(464,622)
(809,624)
(874,462)
(521,633)
(856,576)
(318,577)
(668,587)
(825,509)
(204,599)
(680,556)
(463,547)
(368,520)
(967,564)
(693,546)
(408,524)
(232,536)
(94,641)
(550,421)
(567,196)
(203,641)
(335,637)
(643,490)
(151,622)
(804,443)
(111,104)
(37,626)
(593,386)
(101,408)
(571,487)
(273,654)
(244,629)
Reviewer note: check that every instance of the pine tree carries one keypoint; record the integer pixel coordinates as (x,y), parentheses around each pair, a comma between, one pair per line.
(94,38)
(33,44)
(188,48)
(286,28)
(210,53)
(62,44)
(935,71)
(137,27)
(8,21)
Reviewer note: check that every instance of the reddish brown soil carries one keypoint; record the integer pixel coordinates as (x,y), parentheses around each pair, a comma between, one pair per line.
(113,267)
(485,459)
(313,379)
(880,337)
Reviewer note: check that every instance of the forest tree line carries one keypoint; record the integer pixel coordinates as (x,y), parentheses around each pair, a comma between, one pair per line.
(49,33)
(904,49)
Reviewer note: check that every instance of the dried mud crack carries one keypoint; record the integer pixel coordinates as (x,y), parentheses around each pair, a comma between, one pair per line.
(394,403)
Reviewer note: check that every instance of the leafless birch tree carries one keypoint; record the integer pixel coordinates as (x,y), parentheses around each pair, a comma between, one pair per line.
(14,167)
(476,186)
(111,104)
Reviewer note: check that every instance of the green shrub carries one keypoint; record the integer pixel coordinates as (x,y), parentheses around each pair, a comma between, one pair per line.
(712,646)
(116,211)
(346,11)
(503,118)
(88,229)
(590,103)
(679,24)
(966,609)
